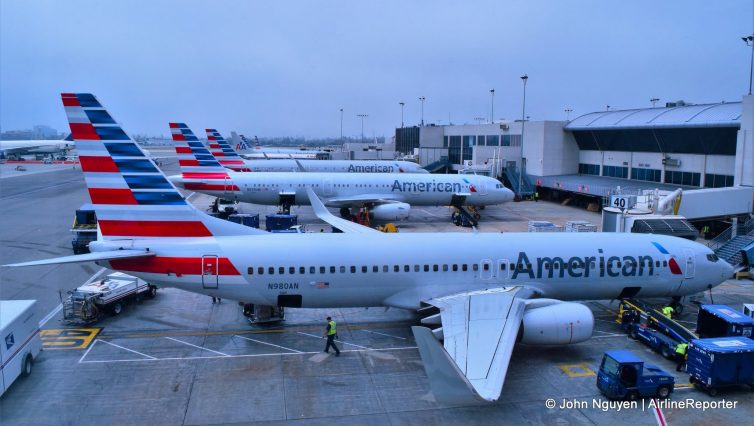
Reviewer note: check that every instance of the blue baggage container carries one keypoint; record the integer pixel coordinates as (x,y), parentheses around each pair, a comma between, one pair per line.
(721,361)
(280,222)
(722,320)
(251,220)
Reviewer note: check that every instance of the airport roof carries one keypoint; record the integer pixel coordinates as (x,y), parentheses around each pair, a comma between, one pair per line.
(727,114)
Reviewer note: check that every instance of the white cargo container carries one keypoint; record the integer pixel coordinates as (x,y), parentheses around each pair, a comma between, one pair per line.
(20,344)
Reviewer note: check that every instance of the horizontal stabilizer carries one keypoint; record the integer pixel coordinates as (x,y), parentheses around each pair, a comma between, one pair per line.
(344,225)
(89,257)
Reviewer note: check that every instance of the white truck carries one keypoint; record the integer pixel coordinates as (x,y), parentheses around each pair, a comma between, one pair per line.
(20,344)
(111,293)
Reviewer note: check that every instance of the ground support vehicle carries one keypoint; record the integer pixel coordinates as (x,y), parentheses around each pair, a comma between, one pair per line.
(87,303)
(720,362)
(623,375)
(20,344)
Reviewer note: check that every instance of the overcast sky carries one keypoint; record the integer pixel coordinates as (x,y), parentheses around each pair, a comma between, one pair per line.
(285,68)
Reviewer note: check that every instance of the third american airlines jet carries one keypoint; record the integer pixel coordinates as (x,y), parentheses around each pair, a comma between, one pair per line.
(388,196)
(229,158)
(484,291)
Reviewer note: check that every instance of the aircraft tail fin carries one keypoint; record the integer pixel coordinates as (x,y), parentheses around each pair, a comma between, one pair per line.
(132,198)
(224,152)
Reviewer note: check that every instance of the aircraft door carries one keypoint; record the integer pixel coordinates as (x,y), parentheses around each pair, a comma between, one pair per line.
(690,263)
(503,273)
(327,187)
(486,272)
(210,271)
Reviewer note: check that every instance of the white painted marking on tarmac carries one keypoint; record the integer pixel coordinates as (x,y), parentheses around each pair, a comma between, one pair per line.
(58,308)
(81,360)
(428,212)
(339,341)
(126,349)
(265,343)
(198,347)
(384,334)
(104,361)
(609,335)
(49,316)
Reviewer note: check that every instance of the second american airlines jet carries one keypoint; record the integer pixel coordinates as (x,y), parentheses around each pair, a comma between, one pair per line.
(388,196)
(482,292)
(229,158)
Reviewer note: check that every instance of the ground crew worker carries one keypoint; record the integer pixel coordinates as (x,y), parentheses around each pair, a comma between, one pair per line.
(536,197)
(330,332)
(681,355)
(705,230)
(668,311)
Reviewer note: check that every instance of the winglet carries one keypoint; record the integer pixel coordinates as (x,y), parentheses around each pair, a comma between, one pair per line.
(344,225)
(447,382)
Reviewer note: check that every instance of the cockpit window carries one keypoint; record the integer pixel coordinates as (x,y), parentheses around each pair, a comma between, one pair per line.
(712,257)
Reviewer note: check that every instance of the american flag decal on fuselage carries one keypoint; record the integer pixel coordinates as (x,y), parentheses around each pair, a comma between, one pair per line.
(131,197)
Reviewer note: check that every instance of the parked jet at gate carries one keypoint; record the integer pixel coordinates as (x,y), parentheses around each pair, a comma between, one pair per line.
(268,152)
(485,291)
(388,196)
(229,158)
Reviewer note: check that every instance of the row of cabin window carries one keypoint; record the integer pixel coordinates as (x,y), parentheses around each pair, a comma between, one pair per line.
(364,269)
(281,270)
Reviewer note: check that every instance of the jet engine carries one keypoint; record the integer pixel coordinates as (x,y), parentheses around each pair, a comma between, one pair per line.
(556,323)
(391,211)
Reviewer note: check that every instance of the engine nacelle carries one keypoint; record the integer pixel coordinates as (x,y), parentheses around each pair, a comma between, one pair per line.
(557,324)
(391,211)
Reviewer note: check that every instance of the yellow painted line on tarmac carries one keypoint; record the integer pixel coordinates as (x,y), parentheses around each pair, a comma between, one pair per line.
(577,370)
(68,338)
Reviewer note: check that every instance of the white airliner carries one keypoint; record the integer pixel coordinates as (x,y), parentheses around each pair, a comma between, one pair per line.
(388,196)
(47,146)
(229,158)
(268,152)
(484,291)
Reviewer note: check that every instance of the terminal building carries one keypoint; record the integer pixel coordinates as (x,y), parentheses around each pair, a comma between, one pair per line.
(705,149)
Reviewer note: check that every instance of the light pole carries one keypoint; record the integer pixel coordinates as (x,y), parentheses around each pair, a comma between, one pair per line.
(568,112)
(402,104)
(524,78)
(607,107)
(749,40)
(422,98)
(654,101)
(492,106)
(362,116)
(341,125)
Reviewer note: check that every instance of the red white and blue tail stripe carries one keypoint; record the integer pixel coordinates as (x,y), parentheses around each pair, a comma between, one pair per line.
(224,153)
(131,196)
(200,171)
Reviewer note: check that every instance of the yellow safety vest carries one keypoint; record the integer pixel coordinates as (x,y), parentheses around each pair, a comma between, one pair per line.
(332,328)
(681,348)
(667,311)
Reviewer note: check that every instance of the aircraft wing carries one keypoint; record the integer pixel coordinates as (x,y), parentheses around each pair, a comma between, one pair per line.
(344,225)
(89,257)
(478,330)
(356,199)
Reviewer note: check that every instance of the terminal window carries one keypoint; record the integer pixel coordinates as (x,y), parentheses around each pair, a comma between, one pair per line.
(615,171)
(683,178)
(589,169)
(717,181)
(650,175)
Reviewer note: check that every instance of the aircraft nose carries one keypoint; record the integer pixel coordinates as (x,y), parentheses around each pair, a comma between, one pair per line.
(728,272)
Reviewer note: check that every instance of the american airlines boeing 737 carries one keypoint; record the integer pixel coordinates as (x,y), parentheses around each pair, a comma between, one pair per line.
(229,158)
(485,291)
(388,196)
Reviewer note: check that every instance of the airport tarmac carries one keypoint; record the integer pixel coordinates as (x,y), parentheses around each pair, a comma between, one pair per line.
(179,359)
